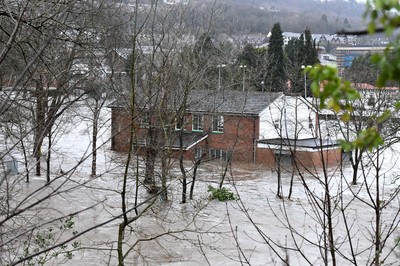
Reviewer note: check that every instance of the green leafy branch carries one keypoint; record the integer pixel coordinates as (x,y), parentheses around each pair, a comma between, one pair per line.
(337,95)
(333,93)
(46,238)
(221,194)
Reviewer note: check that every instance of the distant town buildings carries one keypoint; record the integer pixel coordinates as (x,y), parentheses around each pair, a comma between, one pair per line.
(322,39)
(346,54)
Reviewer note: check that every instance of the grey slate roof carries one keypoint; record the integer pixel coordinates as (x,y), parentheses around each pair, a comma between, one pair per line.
(209,101)
(230,102)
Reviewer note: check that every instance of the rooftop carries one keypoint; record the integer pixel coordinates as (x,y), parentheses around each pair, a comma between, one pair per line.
(311,143)
(231,102)
(207,101)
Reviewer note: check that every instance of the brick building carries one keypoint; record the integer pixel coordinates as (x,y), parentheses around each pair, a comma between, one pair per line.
(241,126)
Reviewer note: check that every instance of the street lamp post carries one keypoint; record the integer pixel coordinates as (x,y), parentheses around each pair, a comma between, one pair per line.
(244,73)
(262,85)
(219,76)
(305,79)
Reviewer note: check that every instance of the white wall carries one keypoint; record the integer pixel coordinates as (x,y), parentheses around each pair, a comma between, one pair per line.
(288,117)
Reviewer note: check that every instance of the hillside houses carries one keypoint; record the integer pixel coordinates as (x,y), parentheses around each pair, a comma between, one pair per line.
(322,39)
(260,40)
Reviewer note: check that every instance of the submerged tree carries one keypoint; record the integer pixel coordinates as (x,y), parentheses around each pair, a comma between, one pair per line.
(46,43)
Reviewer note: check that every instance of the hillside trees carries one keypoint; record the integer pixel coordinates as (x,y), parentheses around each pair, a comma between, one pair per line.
(277,79)
(294,15)
(258,68)
(300,53)
(362,70)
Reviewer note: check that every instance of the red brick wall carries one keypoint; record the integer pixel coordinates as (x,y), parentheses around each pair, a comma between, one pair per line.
(266,157)
(305,159)
(238,136)
(314,159)
(120,128)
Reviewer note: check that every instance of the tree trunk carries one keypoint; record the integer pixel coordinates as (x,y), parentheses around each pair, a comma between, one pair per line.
(278,171)
(121,232)
(151,155)
(181,165)
(227,163)
(184,179)
(25,161)
(94,137)
(150,161)
(39,126)
(196,165)
(355,163)
(164,171)
(48,160)
(377,214)
(291,182)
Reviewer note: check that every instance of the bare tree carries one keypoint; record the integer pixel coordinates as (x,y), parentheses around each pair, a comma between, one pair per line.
(43,63)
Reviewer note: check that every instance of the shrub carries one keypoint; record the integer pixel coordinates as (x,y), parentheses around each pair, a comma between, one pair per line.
(221,194)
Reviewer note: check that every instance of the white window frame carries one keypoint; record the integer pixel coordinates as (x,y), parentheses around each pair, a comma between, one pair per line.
(217,123)
(198,153)
(179,127)
(277,124)
(144,120)
(197,122)
(216,154)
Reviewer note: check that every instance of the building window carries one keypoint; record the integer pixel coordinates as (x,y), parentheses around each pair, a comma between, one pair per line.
(284,159)
(197,122)
(198,153)
(218,154)
(217,123)
(179,124)
(145,120)
(310,123)
(277,124)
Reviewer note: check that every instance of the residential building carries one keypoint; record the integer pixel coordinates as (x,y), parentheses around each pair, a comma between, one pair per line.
(234,125)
